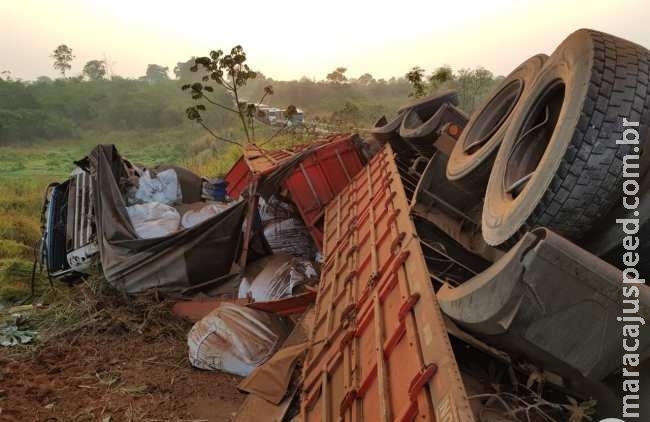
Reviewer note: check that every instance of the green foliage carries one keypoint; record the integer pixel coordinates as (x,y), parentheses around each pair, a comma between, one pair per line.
(349,114)
(415,76)
(32,124)
(11,249)
(441,75)
(63,57)
(46,110)
(94,70)
(19,228)
(15,278)
(473,85)
(15,269)
(182,70)
(156,73)
(291,111)
(337,76)
(321,99)
(366,79)
(231,72)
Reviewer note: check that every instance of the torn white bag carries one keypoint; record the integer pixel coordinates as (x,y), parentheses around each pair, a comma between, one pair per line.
(235,339)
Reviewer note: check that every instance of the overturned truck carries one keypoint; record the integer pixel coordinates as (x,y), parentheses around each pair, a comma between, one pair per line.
(474,268)
(482,276)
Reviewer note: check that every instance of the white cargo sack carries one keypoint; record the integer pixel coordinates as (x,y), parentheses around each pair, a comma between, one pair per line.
(193,217)
(153,219)
(275,277)
(163,188)
(235,339)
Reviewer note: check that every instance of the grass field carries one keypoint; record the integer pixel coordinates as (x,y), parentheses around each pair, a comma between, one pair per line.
(55,158)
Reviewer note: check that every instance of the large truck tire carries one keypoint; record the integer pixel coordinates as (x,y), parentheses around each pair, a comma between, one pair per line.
(384,129)
(427,106)
(387,131)
(420,112)
(559,164)
(473,155)
(421,135)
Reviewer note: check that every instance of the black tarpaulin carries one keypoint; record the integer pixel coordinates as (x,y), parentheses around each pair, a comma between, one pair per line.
(170,263)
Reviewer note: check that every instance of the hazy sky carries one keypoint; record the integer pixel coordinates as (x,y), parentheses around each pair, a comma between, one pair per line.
(287,39)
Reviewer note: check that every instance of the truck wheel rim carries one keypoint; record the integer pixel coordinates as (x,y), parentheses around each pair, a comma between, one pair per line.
(533,138)
(493,116)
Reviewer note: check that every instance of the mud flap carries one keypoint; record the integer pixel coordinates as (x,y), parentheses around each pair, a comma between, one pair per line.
(553,302)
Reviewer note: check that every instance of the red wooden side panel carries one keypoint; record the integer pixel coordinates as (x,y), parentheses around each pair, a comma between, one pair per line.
(255,161)
(320,177)
(379,350)
(238,178)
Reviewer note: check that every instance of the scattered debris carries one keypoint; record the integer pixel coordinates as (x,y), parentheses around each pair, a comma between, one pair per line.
(12,336)
(270,380)
(255,405)
(275,277)
(289,237)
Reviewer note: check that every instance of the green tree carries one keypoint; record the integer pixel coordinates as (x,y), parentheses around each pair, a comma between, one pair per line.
(415,76)
(156,73)
(338,75)
(63,57)
(473,86)
(366,79)
(231,72)
(349,114)
(441,75)
(95,70)
(182,69)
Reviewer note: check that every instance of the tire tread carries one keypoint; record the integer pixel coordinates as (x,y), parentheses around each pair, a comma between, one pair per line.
(588,182)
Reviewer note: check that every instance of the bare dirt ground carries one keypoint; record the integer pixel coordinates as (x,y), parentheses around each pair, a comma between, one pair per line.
(118,361)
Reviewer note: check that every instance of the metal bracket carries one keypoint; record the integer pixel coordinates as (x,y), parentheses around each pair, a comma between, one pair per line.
(408,306)
(401,259)
(349,313)
(347,401)
(421,379)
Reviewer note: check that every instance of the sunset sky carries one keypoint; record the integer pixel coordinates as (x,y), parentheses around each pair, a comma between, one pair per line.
(291,39)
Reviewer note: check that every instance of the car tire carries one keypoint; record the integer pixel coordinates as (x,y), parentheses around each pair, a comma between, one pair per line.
(559,164)
(473,154)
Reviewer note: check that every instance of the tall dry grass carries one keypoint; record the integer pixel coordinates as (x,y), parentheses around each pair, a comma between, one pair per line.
(20,204)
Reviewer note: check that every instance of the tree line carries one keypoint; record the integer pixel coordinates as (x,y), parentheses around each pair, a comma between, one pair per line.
(96,99)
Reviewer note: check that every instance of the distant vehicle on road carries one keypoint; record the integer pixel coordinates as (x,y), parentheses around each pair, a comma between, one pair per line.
(278,117)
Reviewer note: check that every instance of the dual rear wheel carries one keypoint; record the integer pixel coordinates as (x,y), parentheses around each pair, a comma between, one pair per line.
(546,154)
